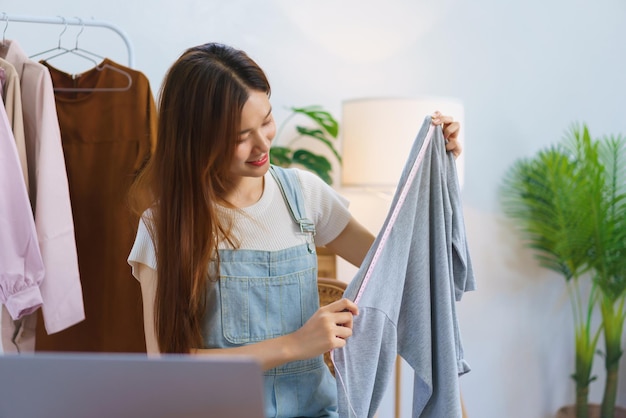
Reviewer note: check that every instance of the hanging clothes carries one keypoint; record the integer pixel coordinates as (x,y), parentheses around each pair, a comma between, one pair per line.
(21,266)
(107,136)
(50,201)
(12,99)
(3,77)
(406,289)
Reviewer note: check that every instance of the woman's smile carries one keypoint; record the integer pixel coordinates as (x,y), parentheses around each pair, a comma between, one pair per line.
(261,161)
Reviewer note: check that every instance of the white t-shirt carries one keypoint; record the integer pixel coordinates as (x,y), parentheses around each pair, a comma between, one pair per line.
(267,225)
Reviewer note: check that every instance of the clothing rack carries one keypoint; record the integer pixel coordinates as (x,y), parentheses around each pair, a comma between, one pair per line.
(74,21)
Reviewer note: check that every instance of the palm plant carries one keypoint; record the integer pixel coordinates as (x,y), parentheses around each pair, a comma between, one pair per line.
(607,258)
(569,204)
(325,130)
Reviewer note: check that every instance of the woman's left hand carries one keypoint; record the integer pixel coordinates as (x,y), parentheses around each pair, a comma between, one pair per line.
(450,132)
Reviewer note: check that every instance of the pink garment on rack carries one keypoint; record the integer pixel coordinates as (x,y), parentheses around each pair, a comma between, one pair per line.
(12,97)
(49,195)
(3,77)
(21,266)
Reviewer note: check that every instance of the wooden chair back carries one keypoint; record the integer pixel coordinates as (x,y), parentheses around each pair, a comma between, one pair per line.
(330,290)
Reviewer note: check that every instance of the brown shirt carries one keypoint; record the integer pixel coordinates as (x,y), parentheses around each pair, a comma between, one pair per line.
(108,132)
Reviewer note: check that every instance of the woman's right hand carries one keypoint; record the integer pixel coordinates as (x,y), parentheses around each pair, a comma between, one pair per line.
(327,329)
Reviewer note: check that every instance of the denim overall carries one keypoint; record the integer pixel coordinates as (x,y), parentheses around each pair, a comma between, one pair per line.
(266,294)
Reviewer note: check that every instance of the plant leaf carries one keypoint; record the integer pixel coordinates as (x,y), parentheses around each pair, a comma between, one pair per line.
(323,118)
(281,156)
(319,135)
(315,163)
(543,195)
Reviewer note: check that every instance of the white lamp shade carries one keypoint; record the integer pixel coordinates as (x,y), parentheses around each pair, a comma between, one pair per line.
(378,133)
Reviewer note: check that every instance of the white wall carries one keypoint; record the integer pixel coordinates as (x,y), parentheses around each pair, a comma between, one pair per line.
(525,71)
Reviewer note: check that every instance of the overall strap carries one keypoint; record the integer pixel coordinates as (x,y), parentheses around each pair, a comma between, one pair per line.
(289,186)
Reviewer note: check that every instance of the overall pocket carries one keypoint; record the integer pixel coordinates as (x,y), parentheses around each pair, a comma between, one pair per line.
(258,308)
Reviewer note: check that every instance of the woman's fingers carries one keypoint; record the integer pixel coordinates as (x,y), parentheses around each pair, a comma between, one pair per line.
(451,131)
(343,305)
(437,118)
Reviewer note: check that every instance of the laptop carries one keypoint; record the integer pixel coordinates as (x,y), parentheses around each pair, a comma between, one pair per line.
(73,385)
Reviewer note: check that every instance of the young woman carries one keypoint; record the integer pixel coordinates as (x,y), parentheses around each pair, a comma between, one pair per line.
(225,250)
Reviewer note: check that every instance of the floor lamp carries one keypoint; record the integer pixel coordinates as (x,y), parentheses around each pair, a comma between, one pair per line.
(377,135)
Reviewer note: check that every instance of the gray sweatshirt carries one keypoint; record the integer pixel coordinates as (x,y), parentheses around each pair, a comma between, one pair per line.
(406,289)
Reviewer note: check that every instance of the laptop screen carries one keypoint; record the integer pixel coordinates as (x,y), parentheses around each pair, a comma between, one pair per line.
(72,385)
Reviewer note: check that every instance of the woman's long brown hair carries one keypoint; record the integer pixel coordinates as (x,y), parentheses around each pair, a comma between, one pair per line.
(199,112)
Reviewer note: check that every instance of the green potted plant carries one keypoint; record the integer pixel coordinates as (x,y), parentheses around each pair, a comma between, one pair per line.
(324,130)
(569,204)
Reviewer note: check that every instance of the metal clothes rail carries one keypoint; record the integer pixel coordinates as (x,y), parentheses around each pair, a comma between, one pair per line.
(74,21)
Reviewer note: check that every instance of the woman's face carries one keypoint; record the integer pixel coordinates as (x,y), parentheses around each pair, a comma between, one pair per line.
(258,129)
